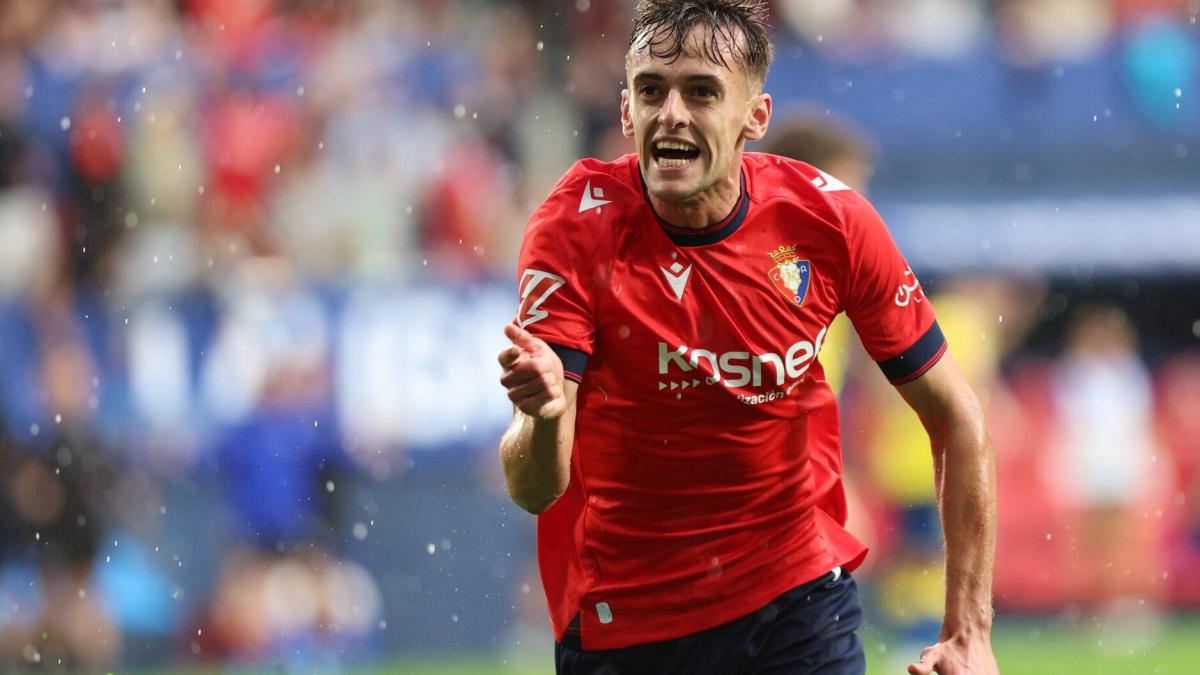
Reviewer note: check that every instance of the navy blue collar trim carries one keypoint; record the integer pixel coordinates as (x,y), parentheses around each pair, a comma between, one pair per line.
(711,234)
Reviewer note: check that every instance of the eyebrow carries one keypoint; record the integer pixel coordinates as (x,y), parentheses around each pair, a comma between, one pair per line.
(710,80)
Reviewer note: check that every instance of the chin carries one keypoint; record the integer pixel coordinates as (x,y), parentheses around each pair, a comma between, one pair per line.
(672,190)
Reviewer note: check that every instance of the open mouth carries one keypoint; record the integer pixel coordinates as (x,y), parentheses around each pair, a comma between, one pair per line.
(672,154)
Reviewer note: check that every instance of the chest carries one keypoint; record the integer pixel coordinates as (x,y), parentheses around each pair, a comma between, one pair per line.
(748,313)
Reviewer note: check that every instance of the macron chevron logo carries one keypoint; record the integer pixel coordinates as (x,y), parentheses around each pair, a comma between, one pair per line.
(677,277)
(827,183)
(592,199)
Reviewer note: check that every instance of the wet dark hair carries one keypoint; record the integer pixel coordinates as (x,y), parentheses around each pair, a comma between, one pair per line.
(662,27)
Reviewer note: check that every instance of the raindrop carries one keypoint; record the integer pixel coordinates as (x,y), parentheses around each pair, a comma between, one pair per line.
(430,548)
(460,111)
(65,123)
(540,46)
(329,486)
(31,654)
(360,531)
(276,169)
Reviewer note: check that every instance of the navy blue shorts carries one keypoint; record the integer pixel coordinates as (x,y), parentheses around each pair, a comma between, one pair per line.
(809,629)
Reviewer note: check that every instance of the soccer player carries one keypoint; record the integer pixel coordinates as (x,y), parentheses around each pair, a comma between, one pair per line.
(668,393)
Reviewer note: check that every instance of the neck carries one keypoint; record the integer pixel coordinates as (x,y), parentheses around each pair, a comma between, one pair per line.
(705,208)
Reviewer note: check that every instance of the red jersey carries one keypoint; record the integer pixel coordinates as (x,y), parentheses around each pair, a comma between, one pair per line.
(705,475)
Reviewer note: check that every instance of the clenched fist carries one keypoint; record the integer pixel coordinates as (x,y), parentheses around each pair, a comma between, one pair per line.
(533,375)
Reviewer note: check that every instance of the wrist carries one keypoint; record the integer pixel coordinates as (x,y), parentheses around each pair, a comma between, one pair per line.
(976,623)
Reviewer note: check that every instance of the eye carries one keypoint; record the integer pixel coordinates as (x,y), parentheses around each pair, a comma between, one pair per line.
(648,90)
(703,92)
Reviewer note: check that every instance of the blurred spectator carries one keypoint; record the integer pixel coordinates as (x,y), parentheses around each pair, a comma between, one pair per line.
(1105,458)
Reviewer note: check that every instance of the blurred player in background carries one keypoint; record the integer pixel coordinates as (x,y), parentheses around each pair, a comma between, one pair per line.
(669,400)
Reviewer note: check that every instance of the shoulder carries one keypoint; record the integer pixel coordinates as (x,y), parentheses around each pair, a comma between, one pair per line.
(585,207)
(588,201)
(780,179)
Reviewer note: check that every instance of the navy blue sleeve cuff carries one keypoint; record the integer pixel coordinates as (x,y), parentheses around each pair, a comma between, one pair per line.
(574,361)
(916,359)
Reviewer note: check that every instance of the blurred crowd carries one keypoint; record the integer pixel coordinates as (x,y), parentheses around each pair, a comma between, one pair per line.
(257,244)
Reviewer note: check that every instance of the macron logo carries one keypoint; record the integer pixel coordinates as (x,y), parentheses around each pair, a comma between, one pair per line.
(677,277)
(827,183)
(592,198)
(536,286)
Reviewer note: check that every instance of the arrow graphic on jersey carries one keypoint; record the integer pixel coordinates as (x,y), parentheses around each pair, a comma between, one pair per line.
(592,198)
(536,286)
(677,277)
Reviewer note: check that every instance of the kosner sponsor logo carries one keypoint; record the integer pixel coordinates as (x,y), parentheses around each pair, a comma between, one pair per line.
(741,368)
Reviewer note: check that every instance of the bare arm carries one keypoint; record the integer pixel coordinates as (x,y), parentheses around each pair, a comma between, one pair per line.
(535,451)
(965,473)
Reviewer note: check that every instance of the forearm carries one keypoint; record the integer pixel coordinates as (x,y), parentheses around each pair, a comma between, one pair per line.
(966,487)
(536,457)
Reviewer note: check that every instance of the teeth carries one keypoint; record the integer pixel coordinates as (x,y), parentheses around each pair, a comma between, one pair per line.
(663,161)
(673,145)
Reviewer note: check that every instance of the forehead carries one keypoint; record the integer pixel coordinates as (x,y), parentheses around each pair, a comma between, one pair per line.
(700,53)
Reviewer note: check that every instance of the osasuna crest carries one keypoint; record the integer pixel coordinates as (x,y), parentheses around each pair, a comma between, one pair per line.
(790,274)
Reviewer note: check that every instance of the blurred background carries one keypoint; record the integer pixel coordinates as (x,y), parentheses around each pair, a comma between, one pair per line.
(255,256)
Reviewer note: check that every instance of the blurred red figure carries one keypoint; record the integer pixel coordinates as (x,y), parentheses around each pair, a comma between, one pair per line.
(1177,401)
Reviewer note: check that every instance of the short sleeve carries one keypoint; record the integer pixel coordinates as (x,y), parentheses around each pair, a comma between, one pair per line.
(884,299)
(557,275)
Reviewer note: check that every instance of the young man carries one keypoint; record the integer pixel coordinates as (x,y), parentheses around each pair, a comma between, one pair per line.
(668,397)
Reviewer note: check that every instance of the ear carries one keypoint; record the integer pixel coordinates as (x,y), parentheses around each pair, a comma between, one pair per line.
(626,115)
(758,118)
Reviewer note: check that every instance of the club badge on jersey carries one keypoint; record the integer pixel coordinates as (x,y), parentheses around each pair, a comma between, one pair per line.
(791,273)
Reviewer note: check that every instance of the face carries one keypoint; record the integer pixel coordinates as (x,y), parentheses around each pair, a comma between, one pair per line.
(689,119)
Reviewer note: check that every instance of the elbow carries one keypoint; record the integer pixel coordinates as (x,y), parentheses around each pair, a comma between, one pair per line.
(534,502)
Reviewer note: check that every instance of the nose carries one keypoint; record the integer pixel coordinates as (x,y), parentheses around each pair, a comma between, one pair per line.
(673,114)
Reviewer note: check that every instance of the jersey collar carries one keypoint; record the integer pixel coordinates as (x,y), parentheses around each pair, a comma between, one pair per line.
(683,236)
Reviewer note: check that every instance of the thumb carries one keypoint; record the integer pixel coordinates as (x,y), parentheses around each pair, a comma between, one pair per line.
(520,337)
(925,665)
